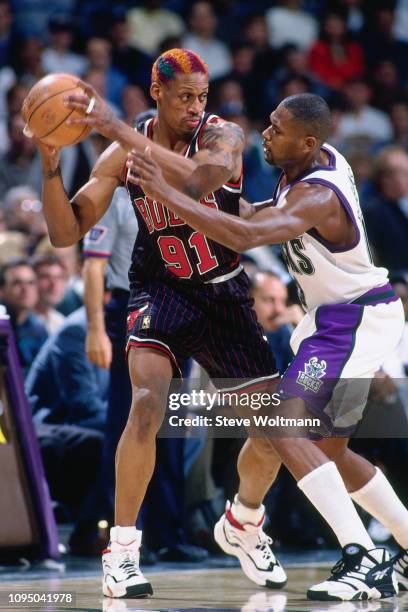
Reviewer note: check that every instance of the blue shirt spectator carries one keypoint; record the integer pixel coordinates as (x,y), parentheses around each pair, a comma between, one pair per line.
(63,387)
(19,293)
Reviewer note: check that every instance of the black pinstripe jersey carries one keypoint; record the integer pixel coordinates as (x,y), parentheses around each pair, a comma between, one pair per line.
(166,247)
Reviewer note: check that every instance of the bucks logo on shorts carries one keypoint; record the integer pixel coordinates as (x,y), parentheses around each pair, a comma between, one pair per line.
(314,371)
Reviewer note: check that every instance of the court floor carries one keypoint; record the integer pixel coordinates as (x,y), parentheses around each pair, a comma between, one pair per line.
(179,589)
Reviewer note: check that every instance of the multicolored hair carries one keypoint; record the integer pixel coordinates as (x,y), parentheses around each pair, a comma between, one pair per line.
(177,61)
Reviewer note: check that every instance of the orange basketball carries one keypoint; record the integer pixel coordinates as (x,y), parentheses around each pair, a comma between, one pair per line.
(46,115)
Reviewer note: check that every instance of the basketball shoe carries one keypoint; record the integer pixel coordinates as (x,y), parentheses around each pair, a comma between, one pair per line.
(401,569)
(360,575)
(121,573)
(252,547)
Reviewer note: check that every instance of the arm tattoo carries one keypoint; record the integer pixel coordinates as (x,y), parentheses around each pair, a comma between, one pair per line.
(225,141)
(49,174)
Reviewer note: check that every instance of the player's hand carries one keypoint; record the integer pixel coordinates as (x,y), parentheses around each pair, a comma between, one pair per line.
(50,156)
(96,111)
(98,348)
(144,171)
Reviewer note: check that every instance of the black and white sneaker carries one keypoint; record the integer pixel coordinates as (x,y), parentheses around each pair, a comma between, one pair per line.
(401,569)
(253,549)
(122,576)
(360,575)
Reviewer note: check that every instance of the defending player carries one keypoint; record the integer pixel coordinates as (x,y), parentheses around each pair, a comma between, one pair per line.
(315,213)
(185,289)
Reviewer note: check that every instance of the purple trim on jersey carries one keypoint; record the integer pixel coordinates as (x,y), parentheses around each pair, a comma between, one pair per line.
(331,166)
(378,295)
(347,207)
(331,345)
(102,255)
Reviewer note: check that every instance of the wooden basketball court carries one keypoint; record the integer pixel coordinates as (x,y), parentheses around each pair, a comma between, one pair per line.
(206,589)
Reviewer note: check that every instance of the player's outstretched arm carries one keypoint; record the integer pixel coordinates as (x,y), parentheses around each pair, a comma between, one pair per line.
(219,160)
(67,220)
(306,206)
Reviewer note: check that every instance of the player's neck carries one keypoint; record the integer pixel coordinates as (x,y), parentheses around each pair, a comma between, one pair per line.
(164,135)
(296,169)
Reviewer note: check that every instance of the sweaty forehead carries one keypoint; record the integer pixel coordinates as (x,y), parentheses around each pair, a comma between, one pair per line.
(197,81)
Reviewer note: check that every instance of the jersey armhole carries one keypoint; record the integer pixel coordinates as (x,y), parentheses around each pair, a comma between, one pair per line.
(330,246)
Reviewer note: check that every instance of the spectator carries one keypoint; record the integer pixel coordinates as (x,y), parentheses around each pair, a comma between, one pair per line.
(150,24)
(294,65)
(386,85)
(33,17)
(62,385)
(361,118)
(70,259)
(270,296)
(51,278)
(134,64)
(29,65)
(387,212)
(256,33)
(133,102)
(58,56)
(202,40)
(399,119)
(13,103)
(288,23)
(19,293)
(99,54)
(68,396)
(13,245)
(9,41)
(335,59)
(379,42)
(20,165)
(23,213)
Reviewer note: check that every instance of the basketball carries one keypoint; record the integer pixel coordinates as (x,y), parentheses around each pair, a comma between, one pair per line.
(46,115)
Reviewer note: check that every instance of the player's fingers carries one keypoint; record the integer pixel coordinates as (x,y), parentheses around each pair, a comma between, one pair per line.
(71,99)
(86,120)
(88,89)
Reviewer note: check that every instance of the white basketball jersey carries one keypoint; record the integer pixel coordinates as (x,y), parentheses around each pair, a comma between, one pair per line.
(326,274)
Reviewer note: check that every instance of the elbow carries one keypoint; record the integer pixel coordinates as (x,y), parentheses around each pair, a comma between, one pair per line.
(62,241)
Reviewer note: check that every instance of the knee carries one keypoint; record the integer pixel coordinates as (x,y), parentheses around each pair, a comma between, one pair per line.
(334,451)
(145,415)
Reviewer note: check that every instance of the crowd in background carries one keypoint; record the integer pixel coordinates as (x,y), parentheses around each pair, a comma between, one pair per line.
(352,52)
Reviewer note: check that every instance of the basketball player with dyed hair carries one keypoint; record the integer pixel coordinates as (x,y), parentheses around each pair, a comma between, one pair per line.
(353,320)
(188,295)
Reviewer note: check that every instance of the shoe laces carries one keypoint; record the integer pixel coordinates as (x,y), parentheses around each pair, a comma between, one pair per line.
(259,540)
(344,566)
(129,564)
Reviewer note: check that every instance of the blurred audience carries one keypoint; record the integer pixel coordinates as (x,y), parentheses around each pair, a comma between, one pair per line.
(58,56)
(288,23)
(335,59)
(99,55)
(61,367)
(19,294)
(150,24)
(51,278)
(386,213)
(271,295)
(202,40)
(361,119)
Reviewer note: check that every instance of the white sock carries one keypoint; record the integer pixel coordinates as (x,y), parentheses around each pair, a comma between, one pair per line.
(379,499)
(243,514)
(325,488)
(125,535)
